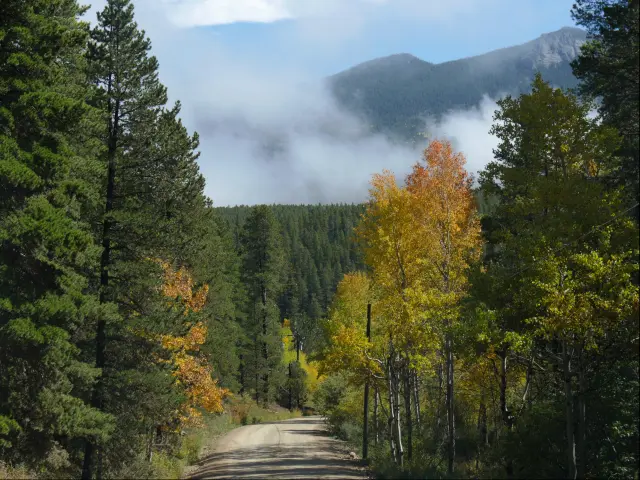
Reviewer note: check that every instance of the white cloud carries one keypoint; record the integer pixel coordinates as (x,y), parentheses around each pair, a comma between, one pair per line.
(468,131)
(188,13)
(320,153)
(238,105)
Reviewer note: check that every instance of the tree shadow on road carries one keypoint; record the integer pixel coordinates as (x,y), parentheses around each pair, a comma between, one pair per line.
(281,462)
(298,421)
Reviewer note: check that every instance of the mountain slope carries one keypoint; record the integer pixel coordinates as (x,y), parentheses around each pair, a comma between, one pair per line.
(396,93)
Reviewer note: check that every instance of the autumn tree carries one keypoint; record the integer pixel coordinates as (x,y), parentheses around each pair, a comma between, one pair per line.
(419,242)
(191,370)
(389,241)
(444,212)
(346,347)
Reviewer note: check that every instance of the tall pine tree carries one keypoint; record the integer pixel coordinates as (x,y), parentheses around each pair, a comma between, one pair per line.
(609,69)
(154,209)
(263,272)
(46,246)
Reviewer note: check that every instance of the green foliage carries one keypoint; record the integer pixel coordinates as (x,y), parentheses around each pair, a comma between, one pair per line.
(341,404)
(99,181)
(559,271)
(546,350)
(319,246)
(263,264)
(46,244)
(608,69)
(7,425)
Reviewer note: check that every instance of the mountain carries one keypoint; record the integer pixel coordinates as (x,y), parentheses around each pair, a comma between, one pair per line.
(395,93)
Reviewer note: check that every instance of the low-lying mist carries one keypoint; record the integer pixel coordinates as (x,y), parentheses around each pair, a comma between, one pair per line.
(273,135)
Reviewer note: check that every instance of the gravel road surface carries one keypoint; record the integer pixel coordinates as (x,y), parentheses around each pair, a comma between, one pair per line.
(296,448)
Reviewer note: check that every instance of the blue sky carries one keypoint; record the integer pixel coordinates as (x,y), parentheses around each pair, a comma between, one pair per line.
(467,33)
(245,70)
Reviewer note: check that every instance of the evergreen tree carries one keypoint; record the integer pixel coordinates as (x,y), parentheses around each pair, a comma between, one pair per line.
(46,245)
(216,264)
(318,241)
(127,89)
(609,68)
(154,209)
(263,265)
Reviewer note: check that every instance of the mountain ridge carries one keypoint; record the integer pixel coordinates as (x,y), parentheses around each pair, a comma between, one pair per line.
(395,93)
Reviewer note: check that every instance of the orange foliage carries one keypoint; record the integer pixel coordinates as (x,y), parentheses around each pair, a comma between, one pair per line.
(419,242)
(178,285)
(191,372)
(195,337)
(445,210)
(194,374)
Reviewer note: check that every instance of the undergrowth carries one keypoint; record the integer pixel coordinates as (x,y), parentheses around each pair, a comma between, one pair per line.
(185,449)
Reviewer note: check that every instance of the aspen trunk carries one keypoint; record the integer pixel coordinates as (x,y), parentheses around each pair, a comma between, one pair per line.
(392,410)
(568,393)
(398,422)
(451,424)
(407,409)
(582,426)
(376,399)
(416,398)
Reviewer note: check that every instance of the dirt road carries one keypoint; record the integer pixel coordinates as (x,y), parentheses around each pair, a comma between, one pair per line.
(296,448)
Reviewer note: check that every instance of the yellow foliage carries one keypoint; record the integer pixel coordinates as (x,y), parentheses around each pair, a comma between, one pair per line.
(192,372)
(348,349)
(194,375)
(195,337)
(444,214)
(178,286)
(310,368)
(419,241)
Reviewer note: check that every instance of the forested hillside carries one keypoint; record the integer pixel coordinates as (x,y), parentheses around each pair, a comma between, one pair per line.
(129,307)
(119,286)
(319,247)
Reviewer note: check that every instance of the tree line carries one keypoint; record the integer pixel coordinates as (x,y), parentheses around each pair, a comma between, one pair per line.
(319,247)
(504,342)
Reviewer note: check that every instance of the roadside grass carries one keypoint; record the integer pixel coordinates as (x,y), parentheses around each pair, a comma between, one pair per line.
(8,472)
(180,460)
